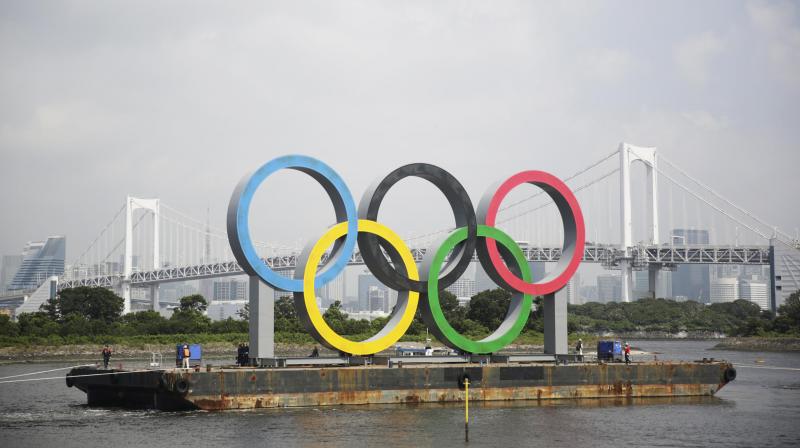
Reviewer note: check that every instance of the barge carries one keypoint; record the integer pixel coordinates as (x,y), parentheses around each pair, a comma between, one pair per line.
(219,388)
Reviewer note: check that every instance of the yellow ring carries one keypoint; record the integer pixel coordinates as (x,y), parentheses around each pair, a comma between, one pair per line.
(376,343)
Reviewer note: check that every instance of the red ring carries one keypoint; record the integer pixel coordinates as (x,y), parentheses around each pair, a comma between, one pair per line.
(538,178)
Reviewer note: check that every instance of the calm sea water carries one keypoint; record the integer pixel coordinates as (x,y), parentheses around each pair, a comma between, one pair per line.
(760,409)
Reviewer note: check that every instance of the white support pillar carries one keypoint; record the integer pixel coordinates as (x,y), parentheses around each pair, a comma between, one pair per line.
(132,204)
(127,261)
(627,155)
(652,198)
(626,225)
(156,239)
(125,292)
(155,303)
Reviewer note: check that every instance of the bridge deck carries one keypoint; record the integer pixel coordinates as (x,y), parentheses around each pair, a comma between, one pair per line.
(608,255)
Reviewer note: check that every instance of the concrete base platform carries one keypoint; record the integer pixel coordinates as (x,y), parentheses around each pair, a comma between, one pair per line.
(245,388)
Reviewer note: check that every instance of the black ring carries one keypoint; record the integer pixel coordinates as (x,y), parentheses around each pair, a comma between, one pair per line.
(370,247)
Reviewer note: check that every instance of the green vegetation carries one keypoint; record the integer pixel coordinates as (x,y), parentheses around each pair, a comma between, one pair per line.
(94,315)
(87,315)
(786,323)
(738,318)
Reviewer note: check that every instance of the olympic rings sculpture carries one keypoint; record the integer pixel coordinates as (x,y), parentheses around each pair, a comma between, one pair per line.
(475,232)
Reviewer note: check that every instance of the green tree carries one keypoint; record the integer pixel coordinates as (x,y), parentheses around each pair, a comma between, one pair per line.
(93,303)
(75,324)
(753,327)
(489,307)
(454,312)
(189,317)
(788,320)
(286,319)
(7,326)
(229,325)
(37,324)
(194,302)
(470,328)
(146,322)
(336,318)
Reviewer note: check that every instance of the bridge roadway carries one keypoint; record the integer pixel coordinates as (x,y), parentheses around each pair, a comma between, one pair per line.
(609,256)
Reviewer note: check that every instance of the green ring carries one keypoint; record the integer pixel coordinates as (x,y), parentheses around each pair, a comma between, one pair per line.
(511,326)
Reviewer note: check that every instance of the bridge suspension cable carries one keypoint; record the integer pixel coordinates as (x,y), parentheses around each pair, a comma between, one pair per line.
(99,235)
(206,228)
(566,179)
(429,236)
(710,204)
(726,200)
(550,201)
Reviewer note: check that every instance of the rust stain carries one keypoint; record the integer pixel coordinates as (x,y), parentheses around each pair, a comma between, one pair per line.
(412,399)
(249,388)
(415,396)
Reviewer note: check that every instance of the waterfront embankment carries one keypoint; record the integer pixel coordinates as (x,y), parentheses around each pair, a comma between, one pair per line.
(760,344)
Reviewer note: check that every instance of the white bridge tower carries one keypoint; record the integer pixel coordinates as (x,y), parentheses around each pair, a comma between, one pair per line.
(132,204)
(627,155)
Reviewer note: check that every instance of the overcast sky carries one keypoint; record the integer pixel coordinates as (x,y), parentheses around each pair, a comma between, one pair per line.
(178,100)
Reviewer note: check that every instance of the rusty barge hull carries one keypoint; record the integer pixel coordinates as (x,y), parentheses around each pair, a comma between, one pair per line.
(247,388)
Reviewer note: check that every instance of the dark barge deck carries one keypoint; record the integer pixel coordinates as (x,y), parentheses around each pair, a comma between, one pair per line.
(246,388)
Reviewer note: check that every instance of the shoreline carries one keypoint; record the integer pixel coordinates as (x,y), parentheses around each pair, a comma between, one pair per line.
(759,344)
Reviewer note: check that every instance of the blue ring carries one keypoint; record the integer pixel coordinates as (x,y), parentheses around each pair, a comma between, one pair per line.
(239,213)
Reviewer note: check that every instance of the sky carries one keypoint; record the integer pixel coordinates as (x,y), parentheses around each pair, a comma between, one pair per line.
(178,100)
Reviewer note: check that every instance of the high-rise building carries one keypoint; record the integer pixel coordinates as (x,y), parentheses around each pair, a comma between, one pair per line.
(230,290)
(692,281)
(463,287)
(378,299)
(222,291)
(483,282)
(589,293)
(609,288)
(366,282)
(664,287)
(641,284)
(333,290)
(40,260)
(8,268)
(225,309)
(756,292)
(724,290)
(573,290)
(173,292)
(786,278)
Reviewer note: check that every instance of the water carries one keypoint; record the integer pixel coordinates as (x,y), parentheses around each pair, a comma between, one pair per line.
(761,408)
